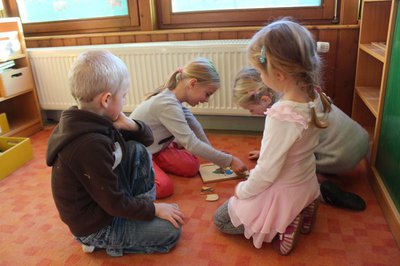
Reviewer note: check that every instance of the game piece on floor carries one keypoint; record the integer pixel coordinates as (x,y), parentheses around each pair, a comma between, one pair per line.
(206,190)
(212,197)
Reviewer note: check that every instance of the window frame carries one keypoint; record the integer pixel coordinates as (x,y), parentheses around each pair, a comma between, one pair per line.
(243,17)
(105,24)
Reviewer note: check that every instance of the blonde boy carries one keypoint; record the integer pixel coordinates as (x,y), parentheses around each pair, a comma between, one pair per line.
(102,176)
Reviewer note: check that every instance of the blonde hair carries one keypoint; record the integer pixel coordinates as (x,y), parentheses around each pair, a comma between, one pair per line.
(202,69)
(248,88)
(290,48)
(94,72)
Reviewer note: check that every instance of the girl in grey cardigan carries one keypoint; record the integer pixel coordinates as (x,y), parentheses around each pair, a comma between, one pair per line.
(178,136)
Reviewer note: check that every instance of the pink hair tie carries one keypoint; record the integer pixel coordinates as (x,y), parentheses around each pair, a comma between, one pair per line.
(179,69)
(318,89)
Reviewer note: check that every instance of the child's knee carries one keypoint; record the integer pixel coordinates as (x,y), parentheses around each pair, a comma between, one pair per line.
(221,215)
(169,234)
(218,220)
(190,168)
(175,234)
(164,185)
(164,190)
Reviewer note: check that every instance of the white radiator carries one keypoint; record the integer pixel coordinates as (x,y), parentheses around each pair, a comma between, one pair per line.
(150,64)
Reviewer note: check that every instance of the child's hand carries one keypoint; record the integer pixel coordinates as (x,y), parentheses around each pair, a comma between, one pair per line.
(169,212)
(253,155)
(124,122)
(238,166)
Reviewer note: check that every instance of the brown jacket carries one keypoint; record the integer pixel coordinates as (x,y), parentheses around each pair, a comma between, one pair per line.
(84,185)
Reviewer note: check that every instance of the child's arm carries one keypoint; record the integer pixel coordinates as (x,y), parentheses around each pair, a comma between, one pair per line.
(254,155)
(134,130)
(172,117)
(125,123)
(169,212)
(195,125)
(238,166)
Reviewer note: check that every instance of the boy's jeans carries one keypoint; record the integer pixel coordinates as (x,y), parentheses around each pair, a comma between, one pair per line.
(136,178)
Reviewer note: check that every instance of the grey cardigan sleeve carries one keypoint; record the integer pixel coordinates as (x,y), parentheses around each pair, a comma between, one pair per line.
(195,125)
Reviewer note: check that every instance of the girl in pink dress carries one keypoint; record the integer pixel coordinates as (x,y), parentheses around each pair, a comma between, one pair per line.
(335,154)
(282,189)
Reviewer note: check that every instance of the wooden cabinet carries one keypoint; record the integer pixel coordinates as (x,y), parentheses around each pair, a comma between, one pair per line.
(376,30)
(18,99)
(377,98)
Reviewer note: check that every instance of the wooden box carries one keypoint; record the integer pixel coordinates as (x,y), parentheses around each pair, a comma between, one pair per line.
(14,152)
(13,81)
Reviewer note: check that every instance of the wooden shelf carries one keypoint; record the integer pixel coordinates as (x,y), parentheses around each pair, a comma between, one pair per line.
(20,125)
(19,102)
(370,96)
(374,51)
(14,95)
(377,24)
(13,57)
(371,62)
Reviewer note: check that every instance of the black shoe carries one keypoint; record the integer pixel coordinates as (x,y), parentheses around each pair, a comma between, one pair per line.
(335,196)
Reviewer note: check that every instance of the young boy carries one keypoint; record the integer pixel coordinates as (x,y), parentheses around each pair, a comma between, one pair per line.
(102,176)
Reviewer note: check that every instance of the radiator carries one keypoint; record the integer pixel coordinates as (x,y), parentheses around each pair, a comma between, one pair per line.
(149,64)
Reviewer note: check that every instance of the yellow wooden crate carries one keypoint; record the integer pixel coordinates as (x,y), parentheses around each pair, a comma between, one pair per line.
(14,152)
(4,127)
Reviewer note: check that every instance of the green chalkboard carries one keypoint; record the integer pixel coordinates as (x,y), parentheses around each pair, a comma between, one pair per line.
(388,156)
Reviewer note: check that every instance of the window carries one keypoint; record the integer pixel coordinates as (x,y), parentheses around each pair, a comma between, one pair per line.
(72,16)
(49,10)
(58,17)
(209,5)
(207,13)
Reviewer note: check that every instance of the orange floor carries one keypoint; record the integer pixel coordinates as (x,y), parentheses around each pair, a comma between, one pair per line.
(31,232)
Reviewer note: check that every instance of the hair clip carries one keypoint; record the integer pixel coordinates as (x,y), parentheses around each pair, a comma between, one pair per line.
(179,69)
(262,55)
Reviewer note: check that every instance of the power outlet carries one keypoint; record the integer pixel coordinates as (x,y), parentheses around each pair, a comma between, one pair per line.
(322,47)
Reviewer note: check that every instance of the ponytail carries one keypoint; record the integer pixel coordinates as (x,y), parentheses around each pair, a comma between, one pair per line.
(170,83)
(326,104)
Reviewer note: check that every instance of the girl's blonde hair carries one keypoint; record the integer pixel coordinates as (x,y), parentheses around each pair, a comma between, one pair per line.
(94,72)
(290,48)
(202,69)
(248,88)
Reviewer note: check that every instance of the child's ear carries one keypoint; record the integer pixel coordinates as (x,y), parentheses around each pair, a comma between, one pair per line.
(105,99)
(266,100)
(279,75)
(192,82)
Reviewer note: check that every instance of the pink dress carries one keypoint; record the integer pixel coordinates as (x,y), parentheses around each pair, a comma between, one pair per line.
(284,180)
